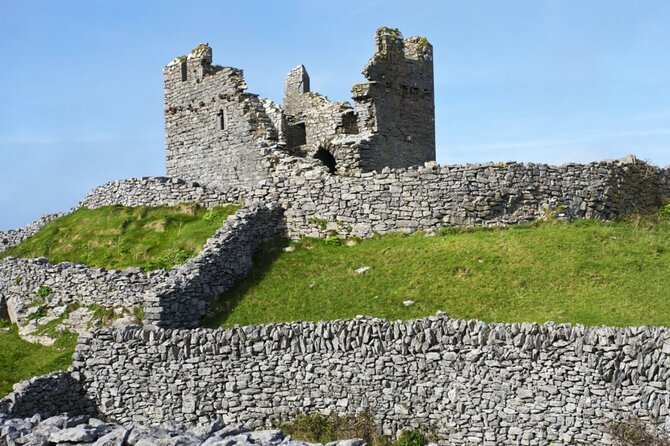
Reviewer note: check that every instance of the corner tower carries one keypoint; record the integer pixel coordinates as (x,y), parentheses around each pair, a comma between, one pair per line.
(397,104)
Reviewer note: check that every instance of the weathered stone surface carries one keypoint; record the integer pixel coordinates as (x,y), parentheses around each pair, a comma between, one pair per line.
(467,379)
(52,431)
(158,191)
(219,134)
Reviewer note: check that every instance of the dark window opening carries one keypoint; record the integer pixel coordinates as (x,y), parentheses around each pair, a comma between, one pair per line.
(222,120)
(184,71)
(326,158)
(301,134)
(350,123)
(296,135)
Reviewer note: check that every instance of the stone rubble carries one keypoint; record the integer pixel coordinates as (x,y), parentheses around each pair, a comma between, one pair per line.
(90,431)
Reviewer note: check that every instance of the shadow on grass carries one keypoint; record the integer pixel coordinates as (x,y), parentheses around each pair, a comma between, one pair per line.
(265,256)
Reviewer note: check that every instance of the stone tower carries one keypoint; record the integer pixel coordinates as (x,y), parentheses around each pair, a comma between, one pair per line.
(216,133)
(392,122)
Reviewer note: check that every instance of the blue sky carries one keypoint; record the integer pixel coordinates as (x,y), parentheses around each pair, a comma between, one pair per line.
(534,81)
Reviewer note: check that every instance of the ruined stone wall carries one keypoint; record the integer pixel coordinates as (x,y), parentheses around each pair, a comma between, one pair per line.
(183,297)
(473,382)
(70,283)
(317,127)
(215,132)
(158,191)
(393,120)
(427,198)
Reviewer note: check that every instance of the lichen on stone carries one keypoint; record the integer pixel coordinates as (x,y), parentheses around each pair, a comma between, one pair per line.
(393,32)
(202,51)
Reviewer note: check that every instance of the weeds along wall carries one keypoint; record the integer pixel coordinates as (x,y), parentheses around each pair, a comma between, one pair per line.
(431,197)
(470,381)
(183,297)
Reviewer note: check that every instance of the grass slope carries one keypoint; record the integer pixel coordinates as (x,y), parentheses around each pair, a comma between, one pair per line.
(586,272)
(20,360)
(117,237)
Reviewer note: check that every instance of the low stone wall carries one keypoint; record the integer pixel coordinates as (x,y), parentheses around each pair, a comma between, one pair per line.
(157,191)
(48,395)
(473,382)
(428,198)
(70,283)
(183,298)
(9,239)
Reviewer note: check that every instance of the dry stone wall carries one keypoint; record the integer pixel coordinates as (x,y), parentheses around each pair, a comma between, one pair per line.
(473,382)
(183,297)
(432,197)
(157,191)
(70,283)
(47,396)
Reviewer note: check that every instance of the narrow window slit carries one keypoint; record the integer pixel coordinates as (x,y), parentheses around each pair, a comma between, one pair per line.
(184,71)
(222,119)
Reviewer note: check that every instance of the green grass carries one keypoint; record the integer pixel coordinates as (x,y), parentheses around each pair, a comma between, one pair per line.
(586,272)
(21,360)
(117,237)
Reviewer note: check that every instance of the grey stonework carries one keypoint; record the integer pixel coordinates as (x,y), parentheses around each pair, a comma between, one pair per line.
(70,283)
(157,191)
(9,239)
(183,297)
(86,430)
(397,104)
(217,133)
(48,395)
(433,196)
(474,382)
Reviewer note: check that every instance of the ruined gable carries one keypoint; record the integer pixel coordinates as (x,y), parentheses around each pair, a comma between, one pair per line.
(215,130)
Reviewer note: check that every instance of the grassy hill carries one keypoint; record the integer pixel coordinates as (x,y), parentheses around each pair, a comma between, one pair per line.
(117,237)
(589,272)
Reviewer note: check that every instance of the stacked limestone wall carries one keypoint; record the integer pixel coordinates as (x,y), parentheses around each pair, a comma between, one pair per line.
(431,197)
(157,191)
(474,382)
(71,283)
(183,297)
(48,395)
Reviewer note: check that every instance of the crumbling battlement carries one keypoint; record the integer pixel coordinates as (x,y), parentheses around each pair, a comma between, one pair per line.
(218,134)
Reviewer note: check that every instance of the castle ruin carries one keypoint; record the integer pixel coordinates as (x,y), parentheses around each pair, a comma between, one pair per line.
(316,168)
(219,134)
